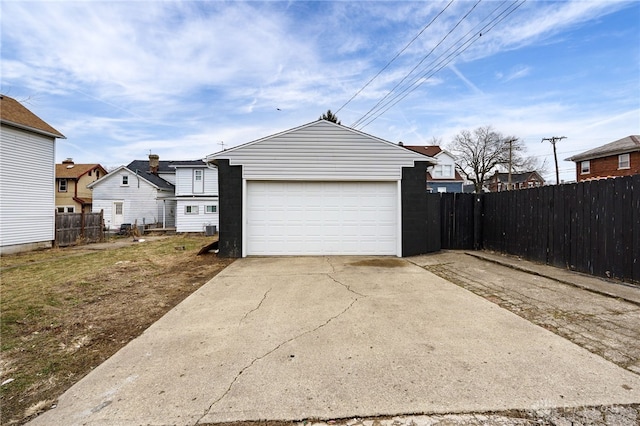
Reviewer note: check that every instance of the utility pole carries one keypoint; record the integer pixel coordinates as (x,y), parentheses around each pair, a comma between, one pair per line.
(221,143)
(553,140)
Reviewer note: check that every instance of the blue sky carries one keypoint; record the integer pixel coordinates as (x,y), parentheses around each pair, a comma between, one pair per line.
(121,79)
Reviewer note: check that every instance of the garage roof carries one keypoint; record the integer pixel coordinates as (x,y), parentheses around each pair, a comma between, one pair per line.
(321,150)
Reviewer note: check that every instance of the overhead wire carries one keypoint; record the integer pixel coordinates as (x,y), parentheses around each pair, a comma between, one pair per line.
(456,48)
(417,65)
(396,56)
(435,67)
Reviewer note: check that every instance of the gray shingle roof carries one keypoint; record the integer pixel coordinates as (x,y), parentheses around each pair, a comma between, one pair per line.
(621,146)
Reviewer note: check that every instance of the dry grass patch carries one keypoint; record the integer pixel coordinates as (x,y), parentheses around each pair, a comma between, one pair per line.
(65,311)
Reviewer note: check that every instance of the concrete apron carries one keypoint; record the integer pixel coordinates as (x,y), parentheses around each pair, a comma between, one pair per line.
(336,337)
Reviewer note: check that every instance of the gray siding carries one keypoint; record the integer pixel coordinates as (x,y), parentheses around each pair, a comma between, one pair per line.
(321,151)
(195,222)
(184,181)
(27,180)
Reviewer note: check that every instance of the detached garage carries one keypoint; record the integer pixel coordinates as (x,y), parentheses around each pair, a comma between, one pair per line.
(321,189)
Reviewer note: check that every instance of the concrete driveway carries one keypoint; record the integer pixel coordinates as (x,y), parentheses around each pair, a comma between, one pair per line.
(336,337)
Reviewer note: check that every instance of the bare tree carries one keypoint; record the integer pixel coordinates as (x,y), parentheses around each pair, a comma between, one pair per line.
(483,151)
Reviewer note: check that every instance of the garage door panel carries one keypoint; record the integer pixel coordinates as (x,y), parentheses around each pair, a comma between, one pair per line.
(315,218)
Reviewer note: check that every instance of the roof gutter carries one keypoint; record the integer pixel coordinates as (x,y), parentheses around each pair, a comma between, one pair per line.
(33,129)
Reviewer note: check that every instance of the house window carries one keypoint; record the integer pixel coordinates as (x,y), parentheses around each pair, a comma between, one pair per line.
(623,161)
(442,189)
(118,208)
(68,209)
(585,167)
(447,170)
(437,171)
(190,209)
(531,184)
(97,174)
(210,209)
(62,185)
(125,180)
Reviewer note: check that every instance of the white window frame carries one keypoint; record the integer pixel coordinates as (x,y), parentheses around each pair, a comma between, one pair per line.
(585,170)
(198,181)
(447,170)
(191,210)
(442,189)
(624,161)
(125,180)
(214,209)
(63,183)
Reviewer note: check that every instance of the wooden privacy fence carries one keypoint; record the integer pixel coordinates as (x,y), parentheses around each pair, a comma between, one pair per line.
(591,227)
(79,228)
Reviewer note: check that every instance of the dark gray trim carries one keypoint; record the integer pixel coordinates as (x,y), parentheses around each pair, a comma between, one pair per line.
(415,224)
(230,209)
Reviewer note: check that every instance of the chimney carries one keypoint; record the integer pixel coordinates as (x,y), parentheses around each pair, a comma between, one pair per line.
(68,161)
(154,163)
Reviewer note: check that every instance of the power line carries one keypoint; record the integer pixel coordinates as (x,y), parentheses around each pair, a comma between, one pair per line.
(396,57)
(417,82)
(418,64)
(369,117)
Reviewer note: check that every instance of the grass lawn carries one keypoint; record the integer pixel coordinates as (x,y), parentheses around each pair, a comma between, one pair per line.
(65,311)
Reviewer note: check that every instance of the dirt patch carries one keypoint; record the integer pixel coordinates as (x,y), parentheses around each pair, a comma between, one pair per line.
(64,312)
(380,263)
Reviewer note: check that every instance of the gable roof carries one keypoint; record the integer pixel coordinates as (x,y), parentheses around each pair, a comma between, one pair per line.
(434,151)
(321,150)
(63,171)
(621,146)
(13,113)
(515,177)
(429,150)
(164,166)
(151,178)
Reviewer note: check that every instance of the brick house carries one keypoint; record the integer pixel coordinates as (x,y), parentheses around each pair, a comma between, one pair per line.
(618,158)
(500,181)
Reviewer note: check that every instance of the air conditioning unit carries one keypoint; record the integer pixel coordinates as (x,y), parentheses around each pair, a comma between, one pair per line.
(210,230)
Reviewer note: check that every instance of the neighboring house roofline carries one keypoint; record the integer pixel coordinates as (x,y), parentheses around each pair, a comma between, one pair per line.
(518,177)
(77,171)
(13,113)
(212,157)
(621,146)
(146,176)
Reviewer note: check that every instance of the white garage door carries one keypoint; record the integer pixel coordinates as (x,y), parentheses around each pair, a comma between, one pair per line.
(316,218)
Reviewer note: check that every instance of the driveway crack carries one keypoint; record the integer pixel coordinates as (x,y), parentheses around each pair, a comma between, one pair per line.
(235,379)
(348,287)
(257,307)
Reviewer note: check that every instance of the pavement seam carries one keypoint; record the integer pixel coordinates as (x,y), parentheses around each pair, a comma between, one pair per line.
(235,379)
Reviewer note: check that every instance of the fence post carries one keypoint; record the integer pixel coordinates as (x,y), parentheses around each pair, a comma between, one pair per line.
(477,221)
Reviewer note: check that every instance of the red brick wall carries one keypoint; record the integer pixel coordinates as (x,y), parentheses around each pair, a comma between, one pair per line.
(608,166)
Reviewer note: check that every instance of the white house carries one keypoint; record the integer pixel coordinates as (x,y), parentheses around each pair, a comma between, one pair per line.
(27,179)
(442,177)
(167,194)
(130,194)
(319,189)
(196,195)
